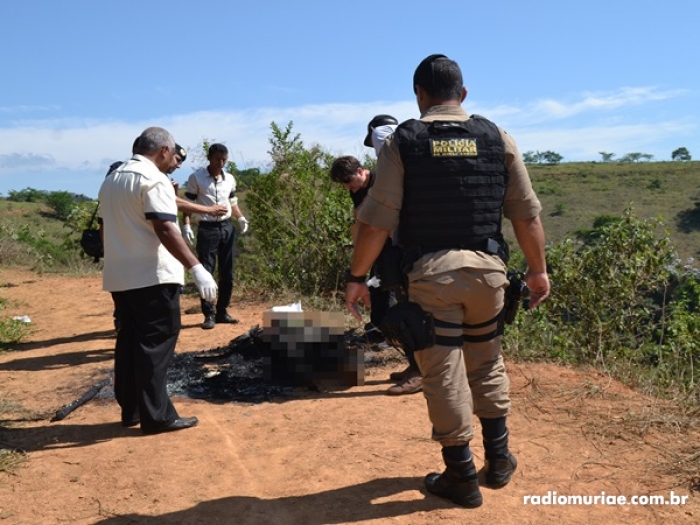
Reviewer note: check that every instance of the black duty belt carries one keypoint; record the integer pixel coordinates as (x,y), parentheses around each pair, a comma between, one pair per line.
(490,246)
(213,224)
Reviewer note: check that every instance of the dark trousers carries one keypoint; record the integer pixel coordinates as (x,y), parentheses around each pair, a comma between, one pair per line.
(382,300)
(216,241)
(150,325)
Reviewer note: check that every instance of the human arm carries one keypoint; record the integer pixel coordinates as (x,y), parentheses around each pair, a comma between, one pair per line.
(189,207)
(530,236)
(354,230)
(169,235)
(369,243)
(187,232)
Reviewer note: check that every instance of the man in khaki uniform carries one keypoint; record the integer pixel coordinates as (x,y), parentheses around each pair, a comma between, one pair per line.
(445,181)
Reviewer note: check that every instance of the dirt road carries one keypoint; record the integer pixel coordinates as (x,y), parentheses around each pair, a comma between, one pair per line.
(344,456)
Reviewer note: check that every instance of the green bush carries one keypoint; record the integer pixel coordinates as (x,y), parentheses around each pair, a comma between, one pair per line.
(621,301)
(61,202)
(301,221)
(26,195)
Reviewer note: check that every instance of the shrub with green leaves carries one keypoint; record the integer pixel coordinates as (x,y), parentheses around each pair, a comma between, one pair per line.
(620,300)
(300,221)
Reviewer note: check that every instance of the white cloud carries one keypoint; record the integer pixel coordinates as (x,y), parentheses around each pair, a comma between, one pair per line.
(25,161)
(590,102)
(577,129)
(24,108)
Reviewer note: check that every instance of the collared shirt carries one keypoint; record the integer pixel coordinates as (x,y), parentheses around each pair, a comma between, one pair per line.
(131,196)
(209,191)
(382,206)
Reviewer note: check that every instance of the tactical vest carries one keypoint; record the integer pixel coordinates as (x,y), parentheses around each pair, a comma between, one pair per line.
(455,179)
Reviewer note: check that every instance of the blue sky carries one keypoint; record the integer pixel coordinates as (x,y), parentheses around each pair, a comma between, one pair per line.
(82,78)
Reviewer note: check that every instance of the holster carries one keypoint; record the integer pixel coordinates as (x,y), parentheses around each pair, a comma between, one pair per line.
(408,326)
(516,293)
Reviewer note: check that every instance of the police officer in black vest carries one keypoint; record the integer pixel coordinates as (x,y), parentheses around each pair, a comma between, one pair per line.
(446,181)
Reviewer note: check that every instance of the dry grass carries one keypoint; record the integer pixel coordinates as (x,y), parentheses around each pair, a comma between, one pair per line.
(621,424)
(11,459)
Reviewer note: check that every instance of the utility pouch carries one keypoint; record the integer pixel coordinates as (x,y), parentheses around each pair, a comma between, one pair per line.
(90,241)
(408,326)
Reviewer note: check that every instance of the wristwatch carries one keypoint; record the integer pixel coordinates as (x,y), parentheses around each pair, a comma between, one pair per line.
(350,278)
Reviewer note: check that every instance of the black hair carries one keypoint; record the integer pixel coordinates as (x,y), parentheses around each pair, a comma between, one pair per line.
(217,148)
(440,77)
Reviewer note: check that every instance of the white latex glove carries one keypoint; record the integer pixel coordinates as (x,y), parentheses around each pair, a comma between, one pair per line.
(243,224)
(188,234)
(205,282)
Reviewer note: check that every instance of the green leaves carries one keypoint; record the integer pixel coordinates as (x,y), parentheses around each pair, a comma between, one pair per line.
(301,220)
(620,300)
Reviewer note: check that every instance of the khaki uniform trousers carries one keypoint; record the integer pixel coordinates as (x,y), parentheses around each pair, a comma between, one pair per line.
(459,382)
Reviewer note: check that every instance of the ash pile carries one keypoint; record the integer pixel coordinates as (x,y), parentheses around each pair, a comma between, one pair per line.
(292,353)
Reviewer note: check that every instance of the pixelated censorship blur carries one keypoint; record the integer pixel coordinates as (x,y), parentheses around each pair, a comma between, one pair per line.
(303,348)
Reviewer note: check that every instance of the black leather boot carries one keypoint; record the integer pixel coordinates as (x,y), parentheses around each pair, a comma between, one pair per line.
(499,463)
(458,483)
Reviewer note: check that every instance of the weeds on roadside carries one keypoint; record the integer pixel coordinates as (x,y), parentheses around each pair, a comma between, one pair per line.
(11,459)
(622,302)
(12,331)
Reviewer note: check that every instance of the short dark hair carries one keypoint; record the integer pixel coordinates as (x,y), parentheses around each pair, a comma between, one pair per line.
(217,148)
(344,168)
(440,77)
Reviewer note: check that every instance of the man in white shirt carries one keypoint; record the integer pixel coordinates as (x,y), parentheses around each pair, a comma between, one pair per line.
(216,236)
(144,258)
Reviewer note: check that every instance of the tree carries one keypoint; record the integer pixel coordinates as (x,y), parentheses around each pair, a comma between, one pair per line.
(540,157)
(550,157)
(681,154)
(607,157)
(635,157)
(529,157)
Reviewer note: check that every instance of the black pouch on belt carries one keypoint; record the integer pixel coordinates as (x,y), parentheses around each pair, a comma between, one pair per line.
(408,326)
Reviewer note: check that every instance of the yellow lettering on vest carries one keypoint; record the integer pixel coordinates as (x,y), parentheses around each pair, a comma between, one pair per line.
(453,148)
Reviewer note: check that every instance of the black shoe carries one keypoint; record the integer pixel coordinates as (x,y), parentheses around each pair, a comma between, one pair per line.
(208,323)
(499,469)
(178,424)
(463,491)
(226,319)
(131,422)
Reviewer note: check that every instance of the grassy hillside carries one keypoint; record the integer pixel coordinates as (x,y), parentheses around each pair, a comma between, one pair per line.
(35,215)
(32,235)
(573,194)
